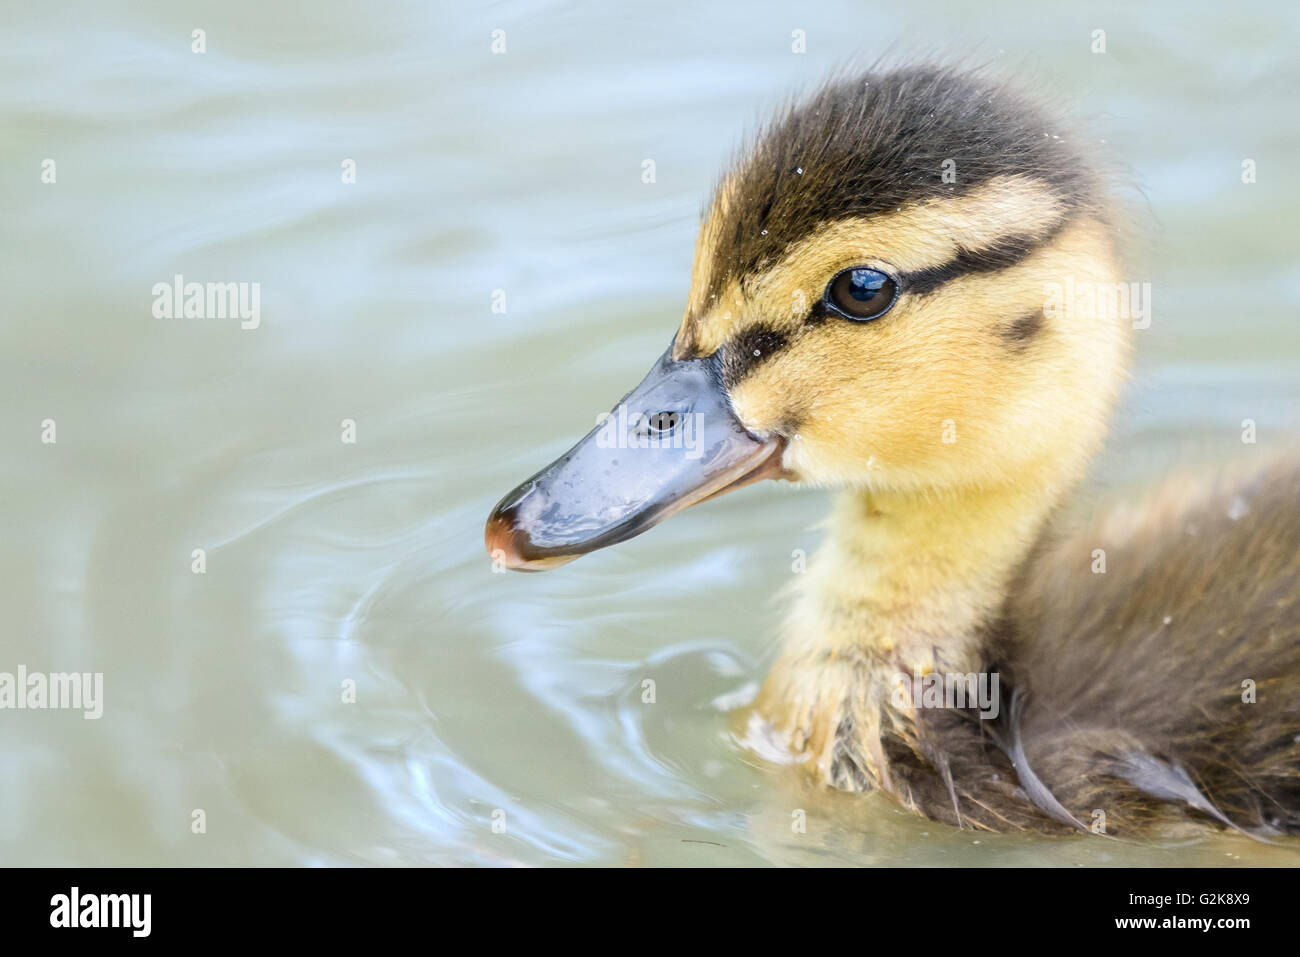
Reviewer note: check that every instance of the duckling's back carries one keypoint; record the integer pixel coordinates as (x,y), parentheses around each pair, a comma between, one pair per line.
(1155,659)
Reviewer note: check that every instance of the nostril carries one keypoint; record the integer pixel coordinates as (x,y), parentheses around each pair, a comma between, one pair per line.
(662,423)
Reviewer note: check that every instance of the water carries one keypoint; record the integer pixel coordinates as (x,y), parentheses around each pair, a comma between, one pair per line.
(482,695)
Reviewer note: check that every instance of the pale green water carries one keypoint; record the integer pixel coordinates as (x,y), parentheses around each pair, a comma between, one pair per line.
(329,562)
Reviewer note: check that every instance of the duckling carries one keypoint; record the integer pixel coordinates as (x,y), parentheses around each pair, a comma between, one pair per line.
(871,310)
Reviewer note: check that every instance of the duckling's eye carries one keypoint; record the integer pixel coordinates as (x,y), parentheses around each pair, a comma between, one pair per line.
(861,293)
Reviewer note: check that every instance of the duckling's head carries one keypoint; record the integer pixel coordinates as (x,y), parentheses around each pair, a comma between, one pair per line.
(901,287)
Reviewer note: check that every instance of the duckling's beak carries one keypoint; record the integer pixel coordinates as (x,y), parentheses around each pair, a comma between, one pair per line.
(672,442)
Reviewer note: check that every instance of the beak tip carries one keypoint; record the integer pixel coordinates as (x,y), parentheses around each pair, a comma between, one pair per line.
(502,541)
(509,547)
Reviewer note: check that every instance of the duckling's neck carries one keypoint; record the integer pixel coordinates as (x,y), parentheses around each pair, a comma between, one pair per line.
(904,584)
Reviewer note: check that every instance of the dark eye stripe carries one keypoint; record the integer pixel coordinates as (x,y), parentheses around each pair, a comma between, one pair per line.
(748,349)
(1000,255)
(739,357)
